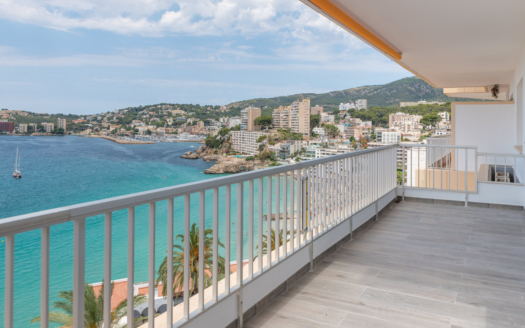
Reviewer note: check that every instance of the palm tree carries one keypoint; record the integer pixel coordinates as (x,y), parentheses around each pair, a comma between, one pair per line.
(265,242)
(93,309)
(178,262)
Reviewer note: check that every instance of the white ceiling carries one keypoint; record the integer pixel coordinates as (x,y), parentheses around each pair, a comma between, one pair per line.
(450,43)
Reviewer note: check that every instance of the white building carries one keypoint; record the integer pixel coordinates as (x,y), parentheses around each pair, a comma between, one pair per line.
(421,102)
(347,106)
(22,128)
(319,130)
(245,142)
(361,104)
(445,116)
(388,137)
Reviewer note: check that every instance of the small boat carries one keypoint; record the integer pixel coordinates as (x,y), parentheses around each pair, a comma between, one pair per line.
(16,172)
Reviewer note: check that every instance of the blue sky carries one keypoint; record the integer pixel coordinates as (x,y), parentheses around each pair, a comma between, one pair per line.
(90,56)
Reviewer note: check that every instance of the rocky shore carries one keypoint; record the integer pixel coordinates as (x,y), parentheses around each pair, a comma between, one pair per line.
(222,164)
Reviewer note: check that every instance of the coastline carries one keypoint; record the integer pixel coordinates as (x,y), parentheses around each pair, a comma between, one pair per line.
(124,142)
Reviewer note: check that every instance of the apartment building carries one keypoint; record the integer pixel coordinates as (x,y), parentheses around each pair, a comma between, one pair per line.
(358,131)
(62,123)
(347,106)
(6,126)
(327,118)
(248,115)
(361,104)
(404,122)
(245,142)
(288,148)
(300,117)
(22,128)
(388,137)
(48,127)
(281,117)
(317,110)
(234,121)
(321,152)
(422,102)
(33,125)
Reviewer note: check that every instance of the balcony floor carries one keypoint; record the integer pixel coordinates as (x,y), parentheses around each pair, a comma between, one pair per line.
(420,265)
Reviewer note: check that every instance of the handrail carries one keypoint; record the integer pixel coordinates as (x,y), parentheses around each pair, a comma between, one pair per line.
(36,220)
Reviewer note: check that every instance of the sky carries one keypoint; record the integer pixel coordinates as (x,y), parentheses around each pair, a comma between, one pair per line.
(91,56)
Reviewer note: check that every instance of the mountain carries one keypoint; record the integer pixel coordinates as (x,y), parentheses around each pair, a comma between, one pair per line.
(386,95)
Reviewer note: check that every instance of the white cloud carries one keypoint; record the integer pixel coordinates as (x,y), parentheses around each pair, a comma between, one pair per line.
(165,17)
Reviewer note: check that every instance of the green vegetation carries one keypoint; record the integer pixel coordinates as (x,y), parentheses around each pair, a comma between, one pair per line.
(331,130)
(93,309)
(262,138)
(387,95)
(178,263)
(264,121)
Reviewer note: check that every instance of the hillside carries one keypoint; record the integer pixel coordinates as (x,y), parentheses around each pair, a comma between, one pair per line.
(387,95)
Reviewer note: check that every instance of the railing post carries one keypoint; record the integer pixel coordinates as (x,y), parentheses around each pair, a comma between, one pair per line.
(466,177)
(131,265)
(79,253)
(186,289)
(9,281)
(169,280)
(107,269)
(44,280)
(151,267)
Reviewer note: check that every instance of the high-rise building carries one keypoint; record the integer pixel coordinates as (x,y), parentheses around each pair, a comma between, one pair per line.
(62,123)
(300,117)
(361,104)
(281,117)
(248,115)
(33,125)
(22,128)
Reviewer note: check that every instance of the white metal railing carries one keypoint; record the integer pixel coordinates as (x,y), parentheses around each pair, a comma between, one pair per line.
(316,194)
(439,167)
(498,168)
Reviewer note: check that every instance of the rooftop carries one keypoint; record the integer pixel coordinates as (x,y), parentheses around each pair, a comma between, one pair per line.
(419,265)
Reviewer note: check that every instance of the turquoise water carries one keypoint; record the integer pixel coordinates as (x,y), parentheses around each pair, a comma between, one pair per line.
(61,171)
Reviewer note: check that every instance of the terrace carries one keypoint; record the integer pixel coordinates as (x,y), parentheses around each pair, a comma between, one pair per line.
(422,264)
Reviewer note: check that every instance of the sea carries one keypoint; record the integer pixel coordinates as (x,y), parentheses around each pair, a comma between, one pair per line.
(67,170)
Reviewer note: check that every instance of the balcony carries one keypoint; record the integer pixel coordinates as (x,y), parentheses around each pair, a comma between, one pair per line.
(420,265)
(425,264)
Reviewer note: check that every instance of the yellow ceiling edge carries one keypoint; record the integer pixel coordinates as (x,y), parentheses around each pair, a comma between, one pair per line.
(333,11)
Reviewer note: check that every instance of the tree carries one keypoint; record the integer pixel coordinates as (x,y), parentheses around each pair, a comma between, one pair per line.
(430,119)
(59,131)
(236,128)
(363,142)
(352,139)
(93,309)
(331,130)
(314,121)
(265,241)
(264,121)
(297,159)
(178,262)
(148,132)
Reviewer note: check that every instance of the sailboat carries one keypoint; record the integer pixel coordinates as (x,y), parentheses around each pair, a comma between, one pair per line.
(16,172)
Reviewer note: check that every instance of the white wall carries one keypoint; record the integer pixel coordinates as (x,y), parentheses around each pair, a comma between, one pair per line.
(490,127)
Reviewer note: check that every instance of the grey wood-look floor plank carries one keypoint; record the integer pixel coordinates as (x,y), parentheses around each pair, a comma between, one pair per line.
(371,308)
(317,313)
(358,320)
(270,319)
(459,287)
(419,265)
(384,284)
